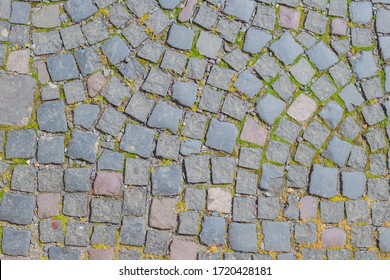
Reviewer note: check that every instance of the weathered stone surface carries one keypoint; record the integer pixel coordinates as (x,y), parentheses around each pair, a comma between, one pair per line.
(323,181)
(213,231)
(276,236)
(17,208)
(15,242)
(162,213)
(219,200)
(108,183)
(221,136)
(243,237)
(182,250)
(167,180)
(333,237)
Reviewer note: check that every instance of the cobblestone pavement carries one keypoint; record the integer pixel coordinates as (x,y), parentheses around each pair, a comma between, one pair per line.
(234,129)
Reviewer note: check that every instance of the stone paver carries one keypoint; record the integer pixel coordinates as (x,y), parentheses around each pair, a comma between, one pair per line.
(211,129)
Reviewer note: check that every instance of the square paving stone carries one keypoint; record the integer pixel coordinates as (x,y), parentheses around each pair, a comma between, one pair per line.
(288,130)
(378,189)
(63,253)
(253,132)
(332,113)
(195,199)
(243,9)
(323,88)
(133,231)
(361,37)
(382,21)
(384,45)
(380,213)
(227,131)
(360,12)
(289,18)
(272,177)
(77,234)
(137,140)
(50,180)
(79,10)
(222,170)
(168,146)
(277,152)
(158,21)
(363,255)
(351,97)
(134,202)
(116,50)
(378,164)
(341,73)
(234,107)
(373,114)
(196,68)
(208,44)
(267,67)
(62,67)
(134,34)
(47,42)
(24,178)
(308,207)
(236,59)
(108,183)
(20,12)
(248,84)
(304,154)
(110,160)
(139,107)
(83,146)
(188,223)
(74,91)
(255,40)
(106,210)
(18,61)
(333,237)
(312,254)
(302,71)
(297,176)
(268,207)
(332,212)
(77,179)
(376,140)
(119,15)
(180,37)
(353,184)
(194,125)
(362,237)
(104,235)
(384,239)
(244,209)
(306,39)
(51,117)
(86,115)
(364,65)
(284,43)
(157,242)
(357,211)
(276,236)
(165,116)
(72,37)
(265,17)
(111,121)
(338,151)
(213,231)
(157,82)
(17,208)
(243,237)
(141,7)
(306,233)
(137,172)
(48,204)
(50,92)
(174,61)
(322,56)
(220,77)
(316,134)
(151,51)
(189,147)
(210,100)
(88,61)
(129,255)
(269,108)
(372,88)
(250,158)
(16,242)
(51,231)
(167,180)
(323,181)
(228,29)
(162,213)
(21,144)
(75,204)
(339,254)
(197,169)
(51,150)
(185,93)
(358,158)
(316,22)
(246,182)
(219,200)
(116,91)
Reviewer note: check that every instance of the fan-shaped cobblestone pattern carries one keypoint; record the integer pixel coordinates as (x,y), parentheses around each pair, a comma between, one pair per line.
(173,129)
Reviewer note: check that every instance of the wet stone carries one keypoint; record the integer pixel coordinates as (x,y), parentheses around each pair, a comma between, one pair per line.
(15,242)
(51,231)
(137,140)
(134,202)
(133,231)
(21,144)
(268,207)
(75,204)
(17,208)
(24,179)
(213,231)
(77,179)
